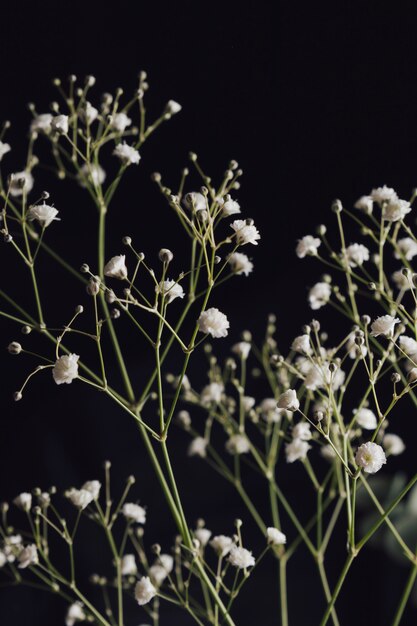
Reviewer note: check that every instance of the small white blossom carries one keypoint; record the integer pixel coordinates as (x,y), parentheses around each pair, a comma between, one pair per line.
(65,369)
(75,614)
(202,535)
(296,450)
(20,181)
(409,346)
(230,207)
(166,561)
(92,173)
(365,204)
(357,254)
(242,349)
(198,447)
(28,556)
(353,349)
(307,246)
(270,411)
(275,536)
(172,107)
(43,213)
(289,401)
(240,263)
(60,124)
(93,486)
(89,113)
(319,295)
(170,289)
(127,154)
(144,591)
(116,267)
(319,376)
(241,558)
(222,545)
(128,565)
(213,322)
(212,392)
(195,201)
(395,210)
(402,282)
(237,444)
(248,403)
(383,194)
(407,247)
(384,325)
(134,513)
(393,444)
(41,123)
(80,498)
(365,418)
(44,499)
(371,457)
(301,431)
(302,344)
(4,149)
(245,233)
(23,501)
(120,122)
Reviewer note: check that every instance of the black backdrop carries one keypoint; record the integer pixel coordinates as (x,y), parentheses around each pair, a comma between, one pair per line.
(314,102)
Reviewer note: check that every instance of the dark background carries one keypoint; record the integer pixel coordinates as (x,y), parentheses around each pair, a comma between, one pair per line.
(315,102)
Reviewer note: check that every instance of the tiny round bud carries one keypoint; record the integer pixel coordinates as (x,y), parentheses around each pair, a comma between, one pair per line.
(115,314)
(131,480)
(26,330)
(192,156)
(156,177)
(238,523)
(84,268)
(79,309)
(395,378)
(156,549)
(14,348)
(45,195)
(321,230)
(332,368)
(90,80)
(127,241)
(17,396)
(217,259)
(315,325)
(249,222)
(337,206)
(165,255)
(366,320)
(372,286)
(93,287)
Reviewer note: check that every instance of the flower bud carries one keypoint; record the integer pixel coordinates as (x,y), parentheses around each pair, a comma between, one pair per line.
(14,348)
(395,378)
(17,396)
(26,330)
(165,255)
(337,206)
(93,287)
(115,314)
(84,268)
(127,241)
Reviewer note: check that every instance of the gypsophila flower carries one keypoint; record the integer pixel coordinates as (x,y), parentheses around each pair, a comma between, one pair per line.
(202,535)
(270,411)
(116,267)
(65,369)
(172,107)
(241,558)
(212,393)
(166,561)
(44,499)
(406,247)
(28,556)
(365,418)
(296,450)
(222,545)
(41,123)
(365,204)
(307,246)
(60,124)
(401,281)
(357,254)
(91,173)
(319,295)
(19,182)
(245,233)
(319,376)
(393,444)
(120,122)
(237,444)
(289,401)
(80,498)
(4,149)
(198,447)
(353,349)
(409,346)
(242,349)
(301,431)
(213,322)
(23,501)
(395,210)
(75,614)
(134,513)
(230,207)
(384,325)
(302,344)
(195,201)
(43,213)
(275,537)
(170,289)
(248,403)
(93,486)
(127,154)
(240,263)
(128,565)
(89,113)
(370,457)
(157,574)
(144,591)
(383,194)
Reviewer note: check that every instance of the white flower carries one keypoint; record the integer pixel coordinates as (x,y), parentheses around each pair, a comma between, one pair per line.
(89,113)
(409,346)
(246,232)
(319,295)
(144,591)
(240,263)
(402,282)
(230,207)
(65,369)
(128,565)
(198,447)
(170,289)
(365,418)
(383,194)
(370,456)
(59,123)
(289,401)
(202,535)
(407,247)
(395,210)
(23,501)
(301,431)
(43,213)
(41,123)
(93,174)
(242,349)
(393,444)
(270,411)
(195,201)
(357,254)
(302,344)
(241,558)
(4,149)
(248,403)
(275,536)
(127,154)
(134,513)
(120,122)
(75,613)
(212,393)
(116,267)
(296,450)
(157,574)
(384,325)
(213,322)
(353,349)
(172,107)
(28,556)
(237,444)
(93,486)
(80,498)
(307,246)
(221,544)
(365,204)
(19,181)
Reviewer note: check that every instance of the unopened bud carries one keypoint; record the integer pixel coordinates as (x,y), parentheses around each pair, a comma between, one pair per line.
(165,255)
(14,348)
